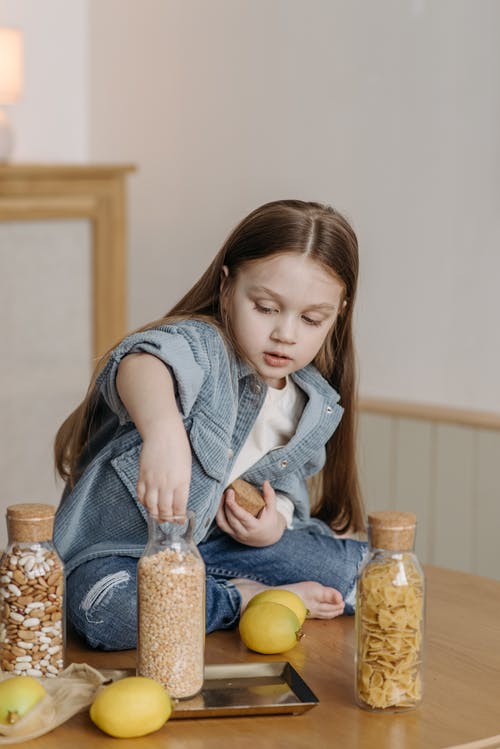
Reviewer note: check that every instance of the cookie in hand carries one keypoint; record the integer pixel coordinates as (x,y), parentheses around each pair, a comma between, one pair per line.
(247,496)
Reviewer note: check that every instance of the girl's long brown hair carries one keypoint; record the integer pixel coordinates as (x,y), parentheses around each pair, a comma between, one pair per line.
(309,229)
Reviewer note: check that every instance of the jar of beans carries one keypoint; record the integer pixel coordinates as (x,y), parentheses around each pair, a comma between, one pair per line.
(32,616)
(171,607)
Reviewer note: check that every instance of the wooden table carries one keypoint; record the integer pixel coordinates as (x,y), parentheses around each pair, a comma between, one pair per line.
(461,699)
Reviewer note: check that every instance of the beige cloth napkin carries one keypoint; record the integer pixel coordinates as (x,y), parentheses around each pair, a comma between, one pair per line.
(72,690)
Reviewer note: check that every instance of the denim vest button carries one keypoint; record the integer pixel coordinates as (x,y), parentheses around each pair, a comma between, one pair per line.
(329,409)
(284,463)
(230,453)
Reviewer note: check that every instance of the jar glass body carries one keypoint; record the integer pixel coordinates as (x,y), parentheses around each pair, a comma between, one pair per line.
(171,608)
(389,626)
(32,601)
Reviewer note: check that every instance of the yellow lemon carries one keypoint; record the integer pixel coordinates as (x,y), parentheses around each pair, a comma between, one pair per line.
(131,707)
(18,695)
(269,628)
(286,598)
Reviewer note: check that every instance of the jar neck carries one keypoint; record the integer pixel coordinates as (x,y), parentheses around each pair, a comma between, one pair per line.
(174,531)
(380,554)
(32,542)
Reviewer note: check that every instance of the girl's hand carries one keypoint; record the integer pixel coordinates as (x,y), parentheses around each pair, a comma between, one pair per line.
(165,471)
(241,525)
(147,391)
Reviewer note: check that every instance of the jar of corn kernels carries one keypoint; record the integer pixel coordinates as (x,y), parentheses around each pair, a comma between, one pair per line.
(32,612)
(171,607)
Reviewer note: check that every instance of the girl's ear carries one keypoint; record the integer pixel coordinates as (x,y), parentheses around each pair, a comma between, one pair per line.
(224,275)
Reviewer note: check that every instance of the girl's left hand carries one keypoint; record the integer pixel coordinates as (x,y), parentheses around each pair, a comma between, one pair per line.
(241,525)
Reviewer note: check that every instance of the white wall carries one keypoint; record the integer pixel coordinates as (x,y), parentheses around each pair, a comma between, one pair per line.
(46,362)
(428,200)
(389,110)
(51,119)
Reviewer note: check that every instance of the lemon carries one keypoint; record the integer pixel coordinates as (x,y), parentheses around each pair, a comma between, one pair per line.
(18,695)
(269,628)
(286,598)
(131,707)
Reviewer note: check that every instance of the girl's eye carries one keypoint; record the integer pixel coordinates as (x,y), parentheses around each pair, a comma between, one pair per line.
(310,321)
(264,310)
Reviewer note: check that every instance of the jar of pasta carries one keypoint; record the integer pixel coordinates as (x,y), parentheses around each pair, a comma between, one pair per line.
(171,607)
(390,615)
(32,621)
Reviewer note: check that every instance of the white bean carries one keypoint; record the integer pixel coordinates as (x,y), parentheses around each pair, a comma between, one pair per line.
(32,621)
(25,556)
(22,666)
(50,630)
(33,605)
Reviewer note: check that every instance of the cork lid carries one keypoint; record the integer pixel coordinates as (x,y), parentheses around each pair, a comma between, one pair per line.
(30,521)
(392,530)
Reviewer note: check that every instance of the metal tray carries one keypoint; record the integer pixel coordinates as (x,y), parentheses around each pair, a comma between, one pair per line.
(232,689)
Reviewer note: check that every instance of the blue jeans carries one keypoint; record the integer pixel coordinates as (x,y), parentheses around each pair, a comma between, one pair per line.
(101,593)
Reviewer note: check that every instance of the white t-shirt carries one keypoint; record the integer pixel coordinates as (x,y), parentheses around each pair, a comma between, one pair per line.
(274,426)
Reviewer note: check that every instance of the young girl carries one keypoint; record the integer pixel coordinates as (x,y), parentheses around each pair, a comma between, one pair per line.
(240,379)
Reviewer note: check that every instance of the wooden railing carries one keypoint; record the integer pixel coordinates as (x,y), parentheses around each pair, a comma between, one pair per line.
(443,464)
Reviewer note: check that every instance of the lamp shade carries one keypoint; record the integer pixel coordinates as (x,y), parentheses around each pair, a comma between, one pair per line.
(11,65)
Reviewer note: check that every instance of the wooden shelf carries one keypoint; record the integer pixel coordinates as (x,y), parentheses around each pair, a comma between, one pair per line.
(31,192)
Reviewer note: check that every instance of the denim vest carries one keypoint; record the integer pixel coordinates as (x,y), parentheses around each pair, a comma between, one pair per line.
(219,397)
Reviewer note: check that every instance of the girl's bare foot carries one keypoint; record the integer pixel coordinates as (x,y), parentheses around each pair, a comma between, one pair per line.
(321,601)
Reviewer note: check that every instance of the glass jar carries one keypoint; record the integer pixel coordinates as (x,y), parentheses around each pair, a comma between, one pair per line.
(390,616)
(171,607)
(32,622)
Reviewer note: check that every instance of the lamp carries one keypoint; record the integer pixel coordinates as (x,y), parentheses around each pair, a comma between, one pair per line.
(11,83)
